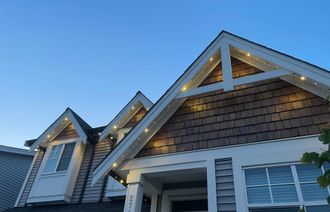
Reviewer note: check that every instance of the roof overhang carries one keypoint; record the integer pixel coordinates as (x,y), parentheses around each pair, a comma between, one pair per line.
(226,45)
(131,108)
(54,129)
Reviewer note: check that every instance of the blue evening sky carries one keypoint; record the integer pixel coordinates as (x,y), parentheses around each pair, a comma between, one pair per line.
(94,55)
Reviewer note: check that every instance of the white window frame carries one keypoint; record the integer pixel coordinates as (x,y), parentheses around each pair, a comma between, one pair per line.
(300,202)
(48,151)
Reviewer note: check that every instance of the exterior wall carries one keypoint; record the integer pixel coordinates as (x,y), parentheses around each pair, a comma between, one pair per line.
(67,133)
(275,152)
(13,171)
(225,185)
(95,193)
(136,118)
(271,109)
(27,187)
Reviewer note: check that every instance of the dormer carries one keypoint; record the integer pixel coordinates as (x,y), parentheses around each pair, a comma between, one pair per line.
(127,118)
(64,145)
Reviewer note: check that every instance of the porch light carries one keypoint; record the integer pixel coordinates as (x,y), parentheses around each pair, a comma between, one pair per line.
(302,78)
(114,164)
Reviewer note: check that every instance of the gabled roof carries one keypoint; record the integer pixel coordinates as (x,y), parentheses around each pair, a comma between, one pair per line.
(132,107)
(274,63)
(14,150)
(69,116)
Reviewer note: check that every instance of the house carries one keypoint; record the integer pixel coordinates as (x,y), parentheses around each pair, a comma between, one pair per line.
(14,164)
(227,136)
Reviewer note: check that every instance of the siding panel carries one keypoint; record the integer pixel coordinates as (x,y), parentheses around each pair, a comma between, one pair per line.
(267,110)
(225,185)
(13,171)
(95,193)
(31,179)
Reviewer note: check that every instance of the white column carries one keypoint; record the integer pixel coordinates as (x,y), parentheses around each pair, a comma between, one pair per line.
(226,67)
(134,195)
(154,198)
(133,201)
(211,186)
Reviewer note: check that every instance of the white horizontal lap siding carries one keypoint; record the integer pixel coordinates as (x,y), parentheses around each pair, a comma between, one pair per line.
(225,185)
(30,180)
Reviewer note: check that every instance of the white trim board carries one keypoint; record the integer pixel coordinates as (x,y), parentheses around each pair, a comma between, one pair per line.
(137,138)
(63,121)
(138,101)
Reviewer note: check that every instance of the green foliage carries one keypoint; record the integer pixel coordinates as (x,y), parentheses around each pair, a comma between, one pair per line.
(319,159)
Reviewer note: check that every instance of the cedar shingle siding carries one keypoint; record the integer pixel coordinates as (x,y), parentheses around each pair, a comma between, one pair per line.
(261,111)
(67,133)
(136,118)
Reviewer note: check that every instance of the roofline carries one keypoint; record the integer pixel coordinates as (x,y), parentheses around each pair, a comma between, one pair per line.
(169,92)
(14,150)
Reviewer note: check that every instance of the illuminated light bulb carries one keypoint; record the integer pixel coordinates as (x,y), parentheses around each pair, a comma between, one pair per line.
(111,137)
(184,88)
(115,127)
(248,54)
(36,149)
(146,130)
(211,59)
(114,164)
(133,108)
(121,181)
(48,136)
(302,78)
(99,133)
(66,118)
(315,84)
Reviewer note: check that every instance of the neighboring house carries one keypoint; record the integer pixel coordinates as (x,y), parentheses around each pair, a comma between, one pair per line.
(226,136)
(14,165)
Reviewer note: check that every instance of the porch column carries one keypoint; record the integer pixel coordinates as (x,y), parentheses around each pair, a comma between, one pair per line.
(134,195)
(154,199)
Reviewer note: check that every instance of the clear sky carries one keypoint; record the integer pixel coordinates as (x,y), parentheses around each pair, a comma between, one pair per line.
(94,55)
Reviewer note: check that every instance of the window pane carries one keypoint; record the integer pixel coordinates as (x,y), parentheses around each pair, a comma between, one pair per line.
(50,165)
(66,157)
(280,175)
(326,166)
(308,172)
(52,152)
(323,208)
(312,191)
(59,150)
(284,193)
(258,195)
(274,210)
(255,177)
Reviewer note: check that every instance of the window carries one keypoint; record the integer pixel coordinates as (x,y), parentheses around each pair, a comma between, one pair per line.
(59,158)
(293,185)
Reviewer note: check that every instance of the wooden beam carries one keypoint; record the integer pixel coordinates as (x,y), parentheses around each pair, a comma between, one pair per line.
(261,76)
(226,67)
(235,82)
(200,90)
